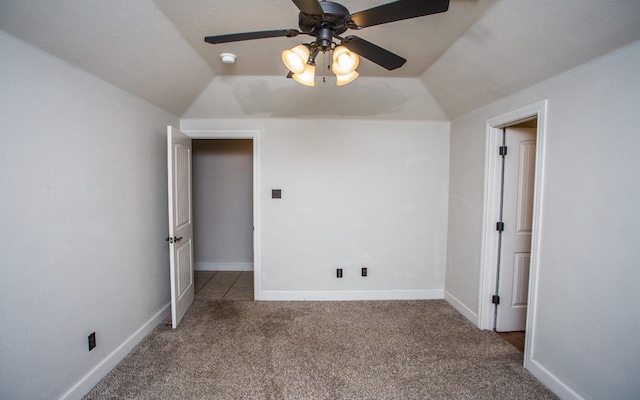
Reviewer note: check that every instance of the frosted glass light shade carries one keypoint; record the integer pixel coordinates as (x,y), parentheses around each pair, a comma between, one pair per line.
(344,61)
(344,79)
(296,58)
(307,77)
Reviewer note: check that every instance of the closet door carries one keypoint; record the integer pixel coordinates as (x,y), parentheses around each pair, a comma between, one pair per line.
(515,258)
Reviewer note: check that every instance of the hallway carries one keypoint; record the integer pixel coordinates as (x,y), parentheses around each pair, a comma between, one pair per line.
(224,285)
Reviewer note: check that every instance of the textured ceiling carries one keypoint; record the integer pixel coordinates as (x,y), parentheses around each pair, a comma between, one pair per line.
(129,44)
(476,53)
(519,43)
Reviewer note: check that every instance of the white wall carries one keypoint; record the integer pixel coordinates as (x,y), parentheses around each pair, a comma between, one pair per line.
(354,194)
(223,204)
(83,210)
(585,328)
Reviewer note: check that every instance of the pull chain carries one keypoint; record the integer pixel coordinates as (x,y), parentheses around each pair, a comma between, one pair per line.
(324,73)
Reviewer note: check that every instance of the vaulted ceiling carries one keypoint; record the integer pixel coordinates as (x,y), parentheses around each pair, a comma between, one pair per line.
(477,52)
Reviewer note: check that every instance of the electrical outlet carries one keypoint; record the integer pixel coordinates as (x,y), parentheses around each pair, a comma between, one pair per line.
(339,273)
(364,271)
(92,341)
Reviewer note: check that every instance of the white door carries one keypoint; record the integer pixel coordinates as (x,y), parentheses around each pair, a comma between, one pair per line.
(180,223)
(517,216)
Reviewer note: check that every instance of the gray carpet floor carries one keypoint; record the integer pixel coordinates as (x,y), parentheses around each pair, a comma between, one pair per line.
(321,350)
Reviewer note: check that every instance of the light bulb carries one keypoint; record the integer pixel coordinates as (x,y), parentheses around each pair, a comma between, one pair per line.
(344,60)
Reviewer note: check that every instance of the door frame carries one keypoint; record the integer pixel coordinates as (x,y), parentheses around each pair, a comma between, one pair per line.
(492,181)
(254,135)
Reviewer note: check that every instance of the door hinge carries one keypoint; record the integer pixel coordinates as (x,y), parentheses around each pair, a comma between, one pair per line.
(500,226)
(502,150)
(495,299)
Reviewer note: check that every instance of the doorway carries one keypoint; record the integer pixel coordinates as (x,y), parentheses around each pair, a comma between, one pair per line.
(227,258)
(491,246)
(223,218)
(514,242)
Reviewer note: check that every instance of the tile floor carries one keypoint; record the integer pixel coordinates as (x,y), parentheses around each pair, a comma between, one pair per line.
(515,338)
(224,285)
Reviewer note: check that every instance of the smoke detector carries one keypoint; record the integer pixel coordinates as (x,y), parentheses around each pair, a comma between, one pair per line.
(228,58)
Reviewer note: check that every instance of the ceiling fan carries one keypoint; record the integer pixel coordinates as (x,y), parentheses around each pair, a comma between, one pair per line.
(326,21)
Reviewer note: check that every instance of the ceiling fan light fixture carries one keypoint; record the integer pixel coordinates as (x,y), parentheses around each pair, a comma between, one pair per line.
(307,77)
(296,58)
(342,80)
(344,61)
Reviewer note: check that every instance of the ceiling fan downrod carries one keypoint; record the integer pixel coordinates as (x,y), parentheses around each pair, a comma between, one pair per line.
(324,38)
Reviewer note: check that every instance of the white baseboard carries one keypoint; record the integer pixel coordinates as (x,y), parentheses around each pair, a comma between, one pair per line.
(230,266)
(552,382)
(461,307)
(268,295)
(84,385)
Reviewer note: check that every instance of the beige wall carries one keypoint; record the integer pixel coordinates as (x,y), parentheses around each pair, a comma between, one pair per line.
(354,194)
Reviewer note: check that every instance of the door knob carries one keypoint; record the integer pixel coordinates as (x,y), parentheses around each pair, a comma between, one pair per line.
(173,239)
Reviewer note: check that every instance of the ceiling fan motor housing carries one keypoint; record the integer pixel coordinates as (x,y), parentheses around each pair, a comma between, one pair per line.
(327,25)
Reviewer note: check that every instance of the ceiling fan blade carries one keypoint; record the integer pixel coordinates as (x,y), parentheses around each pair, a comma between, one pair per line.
(371,52)
(311,7)
(236,37)
(397,11)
